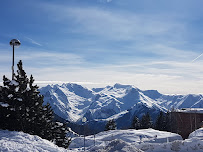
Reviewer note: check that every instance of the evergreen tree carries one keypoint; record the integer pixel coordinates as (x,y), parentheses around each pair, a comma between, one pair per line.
(171,124)
(168,122)
(22,109)
(135,123)
(4,111)
(60,131)
(110,125)
(160,123)
(9,106)
(145,121)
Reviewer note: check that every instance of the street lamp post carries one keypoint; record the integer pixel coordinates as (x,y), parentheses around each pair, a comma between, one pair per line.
(84,119)
(13,43)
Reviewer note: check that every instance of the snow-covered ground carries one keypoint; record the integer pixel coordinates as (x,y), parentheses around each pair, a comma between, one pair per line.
(12,141)
(147,140)
(197,134)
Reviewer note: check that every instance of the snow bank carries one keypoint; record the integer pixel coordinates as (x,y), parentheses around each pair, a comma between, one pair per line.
(116,145)
(130,136)
(188,145)
(13,82)
(144,140)
(12,141)
(197,134)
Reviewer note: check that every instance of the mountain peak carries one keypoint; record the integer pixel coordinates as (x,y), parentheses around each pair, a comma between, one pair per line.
(119,86)
(153,94)
(70,85)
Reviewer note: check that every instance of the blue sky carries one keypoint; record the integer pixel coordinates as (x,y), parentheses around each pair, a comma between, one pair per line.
(150,44)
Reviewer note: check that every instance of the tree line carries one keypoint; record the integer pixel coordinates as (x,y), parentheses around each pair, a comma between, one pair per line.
(163,122)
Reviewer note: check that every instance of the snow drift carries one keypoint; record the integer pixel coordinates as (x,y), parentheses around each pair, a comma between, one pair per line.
(147,140)
(144,140)
(12,141)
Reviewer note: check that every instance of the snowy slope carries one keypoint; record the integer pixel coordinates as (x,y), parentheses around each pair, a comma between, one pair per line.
(12,141)
(176,101)
(69,101)
(128,138)
(196,134)
(121,102)
(72,101)
(147,140)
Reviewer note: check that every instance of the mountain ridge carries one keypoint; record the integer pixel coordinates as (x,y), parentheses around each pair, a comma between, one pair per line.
(72,102)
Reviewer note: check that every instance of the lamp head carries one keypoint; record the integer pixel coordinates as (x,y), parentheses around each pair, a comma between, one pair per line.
(15,42)
(84,119)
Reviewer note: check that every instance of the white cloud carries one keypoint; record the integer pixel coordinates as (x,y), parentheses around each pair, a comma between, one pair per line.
(166,76)
(175,78)
(38,60)
(178,78)
(120,26)
(169,52)
(43,58)
(113,24)
(50,58)
(108,1)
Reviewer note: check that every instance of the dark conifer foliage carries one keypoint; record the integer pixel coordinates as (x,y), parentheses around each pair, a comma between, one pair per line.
(171,124)
(22,109)
(168,122)
(135,123)
(160,123)
(59,133)
(146,121)
(110,125)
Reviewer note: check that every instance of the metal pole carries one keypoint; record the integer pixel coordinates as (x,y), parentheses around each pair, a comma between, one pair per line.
(94,139)
(84,137)
(13,65)
(84,120)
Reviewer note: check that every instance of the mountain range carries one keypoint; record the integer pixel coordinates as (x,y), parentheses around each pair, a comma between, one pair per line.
(72,102)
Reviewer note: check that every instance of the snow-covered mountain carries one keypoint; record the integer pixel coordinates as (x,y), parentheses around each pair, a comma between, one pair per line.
(69,101)
(72,102)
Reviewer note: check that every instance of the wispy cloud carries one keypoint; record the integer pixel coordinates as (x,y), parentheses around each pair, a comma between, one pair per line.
(114,24)
(33,41)
(164,82)
(51,58)
(40,57)
(105,1)
(120,26)
(165,76)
